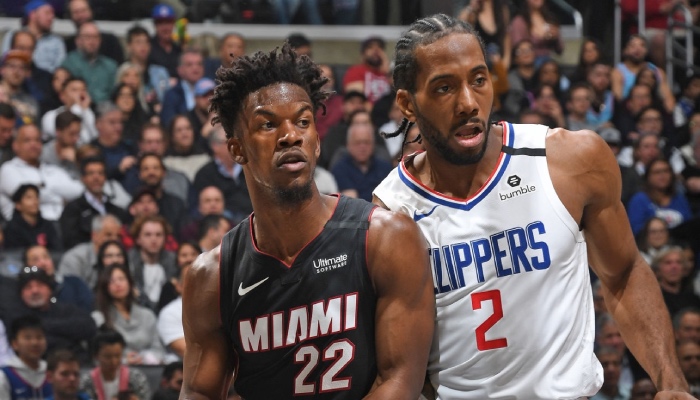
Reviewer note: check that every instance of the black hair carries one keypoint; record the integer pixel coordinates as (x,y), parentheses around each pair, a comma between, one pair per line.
(249,74)
(421,33)
(60,356)
(105,337)
(65,118)
(13,42)
(136,30)
(19,324)
(210,221)
(90,160)
(297,40)
(72,79)
(577,86)
(170,369)
(19,193)
(147,155)
(7,111)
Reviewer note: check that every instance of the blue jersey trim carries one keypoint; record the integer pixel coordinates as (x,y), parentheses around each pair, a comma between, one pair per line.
(470,203)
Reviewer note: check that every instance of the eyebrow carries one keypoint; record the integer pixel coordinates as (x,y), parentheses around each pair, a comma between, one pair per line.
(300,110)
(478,68)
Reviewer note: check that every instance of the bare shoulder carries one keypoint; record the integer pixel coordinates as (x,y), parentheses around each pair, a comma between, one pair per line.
(390,222)
(390,231)
(202,279)
(582,150)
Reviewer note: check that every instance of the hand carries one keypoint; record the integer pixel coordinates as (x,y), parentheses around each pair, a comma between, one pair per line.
(67,154)
(552,33)
(85,101)
(475,6)
(693,184)
(126,163)
(673,395)
(133,357)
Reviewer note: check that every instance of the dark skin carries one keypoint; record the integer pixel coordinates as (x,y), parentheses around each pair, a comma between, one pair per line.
(277,145)
(452,86)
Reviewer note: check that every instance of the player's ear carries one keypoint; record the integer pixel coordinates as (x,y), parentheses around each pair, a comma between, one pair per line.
(236,150)
(405,103)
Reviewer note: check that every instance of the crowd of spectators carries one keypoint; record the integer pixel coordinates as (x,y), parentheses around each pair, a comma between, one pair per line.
(111,170)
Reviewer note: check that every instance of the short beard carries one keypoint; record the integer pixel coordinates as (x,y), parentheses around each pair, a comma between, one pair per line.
(374,62)
(437,141)
(292,196)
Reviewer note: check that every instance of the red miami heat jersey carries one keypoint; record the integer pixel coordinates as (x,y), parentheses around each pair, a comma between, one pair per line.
(514,306)
(305,330)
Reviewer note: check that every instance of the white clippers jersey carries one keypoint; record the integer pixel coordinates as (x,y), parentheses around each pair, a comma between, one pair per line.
(514,306)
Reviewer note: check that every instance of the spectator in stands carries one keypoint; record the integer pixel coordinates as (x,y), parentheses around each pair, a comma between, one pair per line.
(80,12)
(225,174)
(156,78)
(603,100)
(185,154)
(65,325)
(37,81)
(86,62)
(691,171)
(231,46)
(353,102)
(686,325)
(14,67)
(150,263)
(549,73)
(650,121)
(67,289)
(288,9)
(118,154)
(625,73)
(62,151)
(76,220)
(180,98)
(132,75)
(56,186)
(27,227)
(111,252)
(689,358)
(300,44)
(144,204)
(186,254)
(360,171)
(111,376)
(589,53)
(648,77)
(117,309)
(668,266)
(171,383)
(50,49)
(151,175)
(612,389)
(76,99)
(212,229)
(547,104)
(659,198)
(153,140)
(164,50)
(608,335)
(643,389)
(490,18)
(5,350)
(689,99)
(113,189)
(370,76)
(63,373)
(522,79)
(211,202)
(653,238)
(626,113)
(8,119)
(199,116)
(334,104)
(126,99)
(52,99)
(537,23)
(170,329)
(577,105)
(79,260)
(24,376)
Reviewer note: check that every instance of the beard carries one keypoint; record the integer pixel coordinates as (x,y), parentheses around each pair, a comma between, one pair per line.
(374,61)
(439,142)
(291,196)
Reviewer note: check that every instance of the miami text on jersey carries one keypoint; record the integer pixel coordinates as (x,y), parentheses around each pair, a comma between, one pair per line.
(508,252)
(322,318)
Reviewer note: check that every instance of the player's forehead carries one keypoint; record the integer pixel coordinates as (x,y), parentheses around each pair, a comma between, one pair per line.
(278,98)
(454,54)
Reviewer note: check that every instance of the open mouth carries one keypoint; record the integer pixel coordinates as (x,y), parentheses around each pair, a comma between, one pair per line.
(292,161)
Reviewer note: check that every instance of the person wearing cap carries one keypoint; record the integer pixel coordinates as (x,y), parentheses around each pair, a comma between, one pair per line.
(86,62)
(65,325)
(231,46)
(199,115)
(50,49)
(370,76)
(180,98)
(80,12)
(56,186)
(14,67)
(164,50)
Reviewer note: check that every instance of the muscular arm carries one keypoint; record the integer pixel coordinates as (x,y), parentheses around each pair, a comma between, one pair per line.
(587,179)
(398,265)
(208,366)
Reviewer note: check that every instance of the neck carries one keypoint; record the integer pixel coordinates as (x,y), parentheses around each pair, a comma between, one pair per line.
(31,219)
(63,396)
(10,89)
(165,43)
(121,307)
(33,163)
(671,287)
(284,231)
(577,117)
(226,162)
(33,364)
(610,390)
(149,258)
(526,71)
(140,63)
(97,196)
(109,376)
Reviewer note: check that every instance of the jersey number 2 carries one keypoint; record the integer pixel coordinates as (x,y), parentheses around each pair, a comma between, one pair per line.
(481,342)
(343,351)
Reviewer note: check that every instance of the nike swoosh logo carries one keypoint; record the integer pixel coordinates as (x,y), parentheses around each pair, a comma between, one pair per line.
(242,291)
(419,216)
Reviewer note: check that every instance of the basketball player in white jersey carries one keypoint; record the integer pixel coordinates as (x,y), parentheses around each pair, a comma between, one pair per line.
(513,215)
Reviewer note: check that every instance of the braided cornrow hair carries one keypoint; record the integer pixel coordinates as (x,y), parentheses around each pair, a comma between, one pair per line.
(422,32)
(250,73)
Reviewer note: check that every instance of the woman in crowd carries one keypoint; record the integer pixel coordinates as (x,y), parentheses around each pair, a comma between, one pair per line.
(490,18)
(659,198)
(537,24)
(652,238)
(661,96)
(186,254)
(589,53)
(185,153)
(110,252)
(117,309)
(133,116)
